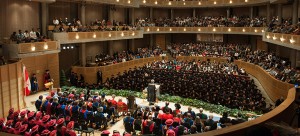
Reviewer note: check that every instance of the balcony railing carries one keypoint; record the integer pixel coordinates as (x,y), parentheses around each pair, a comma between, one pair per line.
(31,49)
(287,40)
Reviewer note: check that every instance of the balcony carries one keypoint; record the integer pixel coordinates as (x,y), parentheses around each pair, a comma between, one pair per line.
(31,49)
(216,30)
(287,40)
(82,37)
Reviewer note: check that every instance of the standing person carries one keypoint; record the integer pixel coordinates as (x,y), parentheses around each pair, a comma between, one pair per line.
(99,76)
(34,83)
(47,78)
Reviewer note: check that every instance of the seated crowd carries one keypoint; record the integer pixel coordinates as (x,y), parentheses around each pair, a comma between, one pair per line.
(33,36)
(117,57)
(278,67)
(207,21)
(217,83)
(97,25)
(286,27)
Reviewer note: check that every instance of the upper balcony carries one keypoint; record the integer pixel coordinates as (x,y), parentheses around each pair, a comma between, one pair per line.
(287,40)
(22,50)
(181,3)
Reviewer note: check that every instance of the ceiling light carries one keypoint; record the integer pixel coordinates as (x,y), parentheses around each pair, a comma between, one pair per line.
(183,3)
(199,29)
(129,2)
(64,47)
(133,34)
(246,0)
(72,47)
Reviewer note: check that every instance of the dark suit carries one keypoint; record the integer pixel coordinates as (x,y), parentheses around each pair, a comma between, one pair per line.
(151,93)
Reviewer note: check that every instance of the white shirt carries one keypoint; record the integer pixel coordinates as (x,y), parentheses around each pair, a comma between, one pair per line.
(32,35)
(55,22)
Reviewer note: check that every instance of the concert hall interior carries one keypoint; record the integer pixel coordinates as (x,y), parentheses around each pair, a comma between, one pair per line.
(149,67)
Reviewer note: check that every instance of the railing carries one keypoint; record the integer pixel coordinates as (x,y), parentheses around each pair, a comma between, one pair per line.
(216,30)
(28,49)
(81,37)
(287,40)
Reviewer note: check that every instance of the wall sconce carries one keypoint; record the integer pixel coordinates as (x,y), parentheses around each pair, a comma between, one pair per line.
(282,39)
(268,36)
(274,37)
(77,36)
(246,0)
(122,34)
(184,29)
(255,30)
(230,1)
(72,47)
(155,2)
(214,29)
(229,30)
(199,29)
(170,3)
(292,41)
(170,29)
(32,48)
(46,46)
(215,2)
(129,2)
(144,1)
(157,29)
(199,3)
(109,35)
(148,29)
(262,31)
(94,36)
(183,3)
(244,30)
(133,34)
(64,48)
(117,0)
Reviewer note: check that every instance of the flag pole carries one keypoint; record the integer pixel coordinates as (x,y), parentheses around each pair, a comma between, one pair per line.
(24,86)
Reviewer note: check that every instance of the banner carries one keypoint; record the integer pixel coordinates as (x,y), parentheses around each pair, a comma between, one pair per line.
(26,82)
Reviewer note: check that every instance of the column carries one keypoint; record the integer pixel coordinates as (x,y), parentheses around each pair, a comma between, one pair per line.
(151,41)
(131,44)
(82,14)
(131,16)
(172,14)
(293,58)
(268,13)
(110,50)
(151,14)
(83,54)
(194,12)
(279,13)
(45,18)
(297,58)
(228,12)
(110,14)
(295,12)
(251,11)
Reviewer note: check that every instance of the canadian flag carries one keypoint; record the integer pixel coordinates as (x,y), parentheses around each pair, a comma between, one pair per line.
(26,81)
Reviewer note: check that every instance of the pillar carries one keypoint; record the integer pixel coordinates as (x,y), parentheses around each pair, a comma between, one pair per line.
(295,12)
(279,13)
(83,54)
(297,58)
(151,41)
(45,18)
(268,12)
(131,16)
(110,50)
(228,12)
(131,44)
(110,14)
(293,59)
(82,13)
(251,11)
(194,12)
(151,14)
(172,14)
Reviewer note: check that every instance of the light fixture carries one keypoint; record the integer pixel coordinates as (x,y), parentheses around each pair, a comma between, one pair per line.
(170,3)
(94,36)
(46,46)
(282,39)
(262,31)
(230,1)
(255,30)
(122,34)
(244,30)
(215,2)
(133,34)
(32,48)
(68,47)
(292,40)
(229,30)
(64,47)
(77,36)
(117,0)
(184,29)
(109,35)
(170,29)
(199,3)
(246,0)
(274,37)
(144,1)
(129,2)
(72,47)
(157,29)
(268,36)
(183,3)
(155,2)
(199,29)
(214,29)
(148,29)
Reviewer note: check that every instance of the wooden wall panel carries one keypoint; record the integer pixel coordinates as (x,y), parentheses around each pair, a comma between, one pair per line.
(160,40)
(39,64)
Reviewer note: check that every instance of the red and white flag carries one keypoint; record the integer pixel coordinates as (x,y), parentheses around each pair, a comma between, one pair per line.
(26,81)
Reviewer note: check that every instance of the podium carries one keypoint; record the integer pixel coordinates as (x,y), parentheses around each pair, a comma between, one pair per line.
(152,91)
